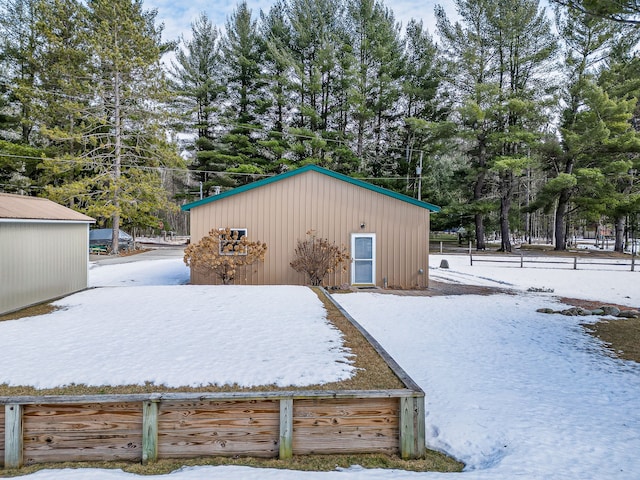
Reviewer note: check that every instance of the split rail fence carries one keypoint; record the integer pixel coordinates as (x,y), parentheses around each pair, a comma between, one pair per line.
(149,427)
(574,263)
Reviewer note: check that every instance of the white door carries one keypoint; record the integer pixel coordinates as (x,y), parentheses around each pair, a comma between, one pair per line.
(363,251)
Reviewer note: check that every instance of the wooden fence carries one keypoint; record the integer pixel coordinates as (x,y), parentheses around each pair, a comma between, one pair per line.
(148,427)
(559,262)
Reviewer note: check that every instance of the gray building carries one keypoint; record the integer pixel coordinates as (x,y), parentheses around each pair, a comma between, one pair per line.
(44,251)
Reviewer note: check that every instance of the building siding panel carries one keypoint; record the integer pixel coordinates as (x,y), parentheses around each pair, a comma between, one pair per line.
(41,261)
(282,212)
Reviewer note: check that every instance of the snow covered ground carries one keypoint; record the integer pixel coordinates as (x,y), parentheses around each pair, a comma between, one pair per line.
(511,392)
(176,336)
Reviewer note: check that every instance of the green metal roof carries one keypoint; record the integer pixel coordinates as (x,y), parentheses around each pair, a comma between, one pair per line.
(323,171)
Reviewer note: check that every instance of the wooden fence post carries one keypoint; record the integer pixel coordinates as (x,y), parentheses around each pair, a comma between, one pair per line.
(633,262)
(575,263)
(471,259)
(412,427)
(149,431)
(13,436)
(521,260)
(286,428)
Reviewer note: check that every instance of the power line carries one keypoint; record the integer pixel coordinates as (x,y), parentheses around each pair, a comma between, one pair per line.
(170,169)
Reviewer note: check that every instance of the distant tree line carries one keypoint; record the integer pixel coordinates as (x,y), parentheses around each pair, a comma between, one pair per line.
(518,121)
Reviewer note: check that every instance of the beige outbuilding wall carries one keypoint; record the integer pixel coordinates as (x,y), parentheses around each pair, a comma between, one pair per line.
(40,259)
(283,211)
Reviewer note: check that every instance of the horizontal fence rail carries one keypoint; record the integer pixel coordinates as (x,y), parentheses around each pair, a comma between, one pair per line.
(575,263)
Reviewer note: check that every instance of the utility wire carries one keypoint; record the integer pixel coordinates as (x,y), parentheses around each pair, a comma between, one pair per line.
(170,169)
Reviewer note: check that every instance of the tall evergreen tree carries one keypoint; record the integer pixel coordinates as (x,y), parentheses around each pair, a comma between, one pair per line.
(123,135)
(606,145)
(525,46)
(507,54)
(236,150)
(196,75)
(377,47)
(423,106)
(65,72)
(197,81)
(421,74)
(276,34)
(20,42)
(621,80)
(469,71)
(587,40)
(620,11)
(316,30)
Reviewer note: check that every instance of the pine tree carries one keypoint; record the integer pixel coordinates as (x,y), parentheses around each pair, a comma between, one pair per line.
(113,173)
(605,144)
(198,83)
(276,35)
(197,77)
(242,50)
(469,71)
(586,40)
(500,68)
(20,42)
(64,74)
(425,109)
(619,11)
(377,48)
(316,30)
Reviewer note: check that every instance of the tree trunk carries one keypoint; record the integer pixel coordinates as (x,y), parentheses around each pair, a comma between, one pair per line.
(115,218)
(505,244)
(561,210)
(478,189)
(619,226)
(479,221)
(559,227)
(506,188)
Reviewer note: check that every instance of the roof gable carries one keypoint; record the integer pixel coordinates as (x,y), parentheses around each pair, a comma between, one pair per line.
(21,207)
(323,171)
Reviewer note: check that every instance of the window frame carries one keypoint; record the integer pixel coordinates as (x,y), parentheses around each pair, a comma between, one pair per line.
(223,242)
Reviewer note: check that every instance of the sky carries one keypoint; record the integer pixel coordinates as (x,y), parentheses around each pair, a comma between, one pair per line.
(511,392)
(177,15)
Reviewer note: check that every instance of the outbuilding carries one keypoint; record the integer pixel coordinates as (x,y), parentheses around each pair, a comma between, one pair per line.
(44,251)
(385,233)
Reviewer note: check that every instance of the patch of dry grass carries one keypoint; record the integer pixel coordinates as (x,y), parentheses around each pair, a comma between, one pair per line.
(433,462)
(41,309)
(621,336)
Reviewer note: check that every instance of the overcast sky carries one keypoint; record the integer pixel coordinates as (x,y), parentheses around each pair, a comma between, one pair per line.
(177,15)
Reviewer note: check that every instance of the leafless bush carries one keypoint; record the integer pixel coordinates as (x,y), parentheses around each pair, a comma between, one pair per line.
(318,257)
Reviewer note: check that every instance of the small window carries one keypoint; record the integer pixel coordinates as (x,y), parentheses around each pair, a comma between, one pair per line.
(230,244)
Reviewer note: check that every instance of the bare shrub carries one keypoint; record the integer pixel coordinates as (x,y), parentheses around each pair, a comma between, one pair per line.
(318,257)
(222,252)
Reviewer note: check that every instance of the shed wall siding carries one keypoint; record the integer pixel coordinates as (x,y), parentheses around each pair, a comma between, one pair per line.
(41,261)
(282,212)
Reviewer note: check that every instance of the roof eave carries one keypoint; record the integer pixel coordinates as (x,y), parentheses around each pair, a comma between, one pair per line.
(338,176)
